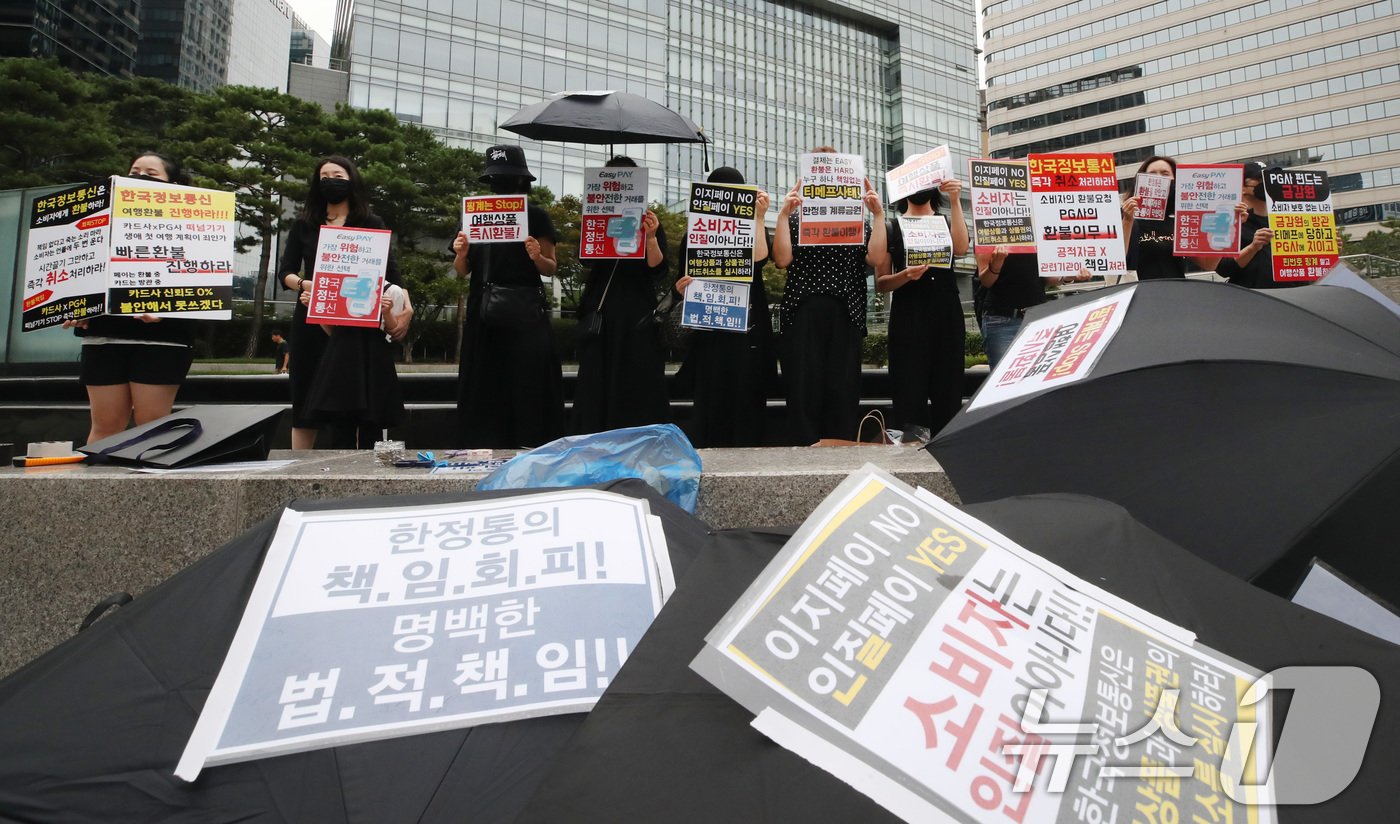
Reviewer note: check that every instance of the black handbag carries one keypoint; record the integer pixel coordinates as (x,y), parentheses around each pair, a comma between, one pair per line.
(508,307)
(590,326)
(198,435)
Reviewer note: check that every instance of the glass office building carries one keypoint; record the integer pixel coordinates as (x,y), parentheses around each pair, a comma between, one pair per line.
(765,80)
(1298,83)
(185,42)
(96,35)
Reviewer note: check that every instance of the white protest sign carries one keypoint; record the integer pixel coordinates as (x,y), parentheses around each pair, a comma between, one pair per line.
(833,213)
(1077,215)
(614,203)
(1206,223)
(348,276)
(1055,350)
(1152,192)
(68,253)
(927,240)
(376,623)
(925,171)
(897,642)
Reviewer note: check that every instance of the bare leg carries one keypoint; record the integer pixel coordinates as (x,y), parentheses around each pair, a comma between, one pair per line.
(111,410)
(152,401)
(303,437)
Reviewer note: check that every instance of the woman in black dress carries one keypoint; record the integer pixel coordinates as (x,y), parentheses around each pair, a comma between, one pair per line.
(509,381)
(927,334)
(622,369)
(734,371)
(1150,241)
(358,389)
(132,366)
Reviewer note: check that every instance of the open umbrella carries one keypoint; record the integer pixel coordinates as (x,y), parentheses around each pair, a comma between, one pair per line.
(663,744)
(1347,299)
(602,117)
(92,730)
(1248,429)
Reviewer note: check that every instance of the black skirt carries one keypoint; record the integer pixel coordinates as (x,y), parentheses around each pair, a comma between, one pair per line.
(356,381)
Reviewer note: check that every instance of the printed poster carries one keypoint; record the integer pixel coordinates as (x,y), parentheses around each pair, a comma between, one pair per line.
(1152,192)
(833,213)
(349,276)
(1077,215)
(1001,206)
(374,623)
(927,241)
(716,304)
(172,251)
(495,218)
(1056,350)
(614,202)
(66,275)
(925,171)
(918,655)
(1304,247)
(720,231)
(1206,223)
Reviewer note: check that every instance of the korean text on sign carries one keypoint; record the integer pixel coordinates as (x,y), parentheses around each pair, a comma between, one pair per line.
(832,210)
(495,218)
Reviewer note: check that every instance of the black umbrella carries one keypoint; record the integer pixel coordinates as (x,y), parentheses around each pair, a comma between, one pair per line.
(602,117)
(92,730)
(1348,300)
(1248,429)
(665,745)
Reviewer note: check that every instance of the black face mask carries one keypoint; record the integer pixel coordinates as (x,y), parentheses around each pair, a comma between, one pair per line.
(334,189)
(922,197)
(509,186)
(151,178)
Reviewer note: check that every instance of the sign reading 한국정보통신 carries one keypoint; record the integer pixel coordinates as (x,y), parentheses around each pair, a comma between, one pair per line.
(614,203)
(1206,223)
(1078,219)
(349,276)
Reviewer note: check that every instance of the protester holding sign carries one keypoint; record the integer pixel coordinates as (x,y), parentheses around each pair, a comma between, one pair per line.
(1254,268)
(510,383)
(732,372)
(1150,241)
(621,365)
(132,366)
(336,197)
(927,333)
(823,319)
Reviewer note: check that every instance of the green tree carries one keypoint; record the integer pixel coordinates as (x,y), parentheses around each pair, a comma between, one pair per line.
(51,130)
(252,142)
(1384,242)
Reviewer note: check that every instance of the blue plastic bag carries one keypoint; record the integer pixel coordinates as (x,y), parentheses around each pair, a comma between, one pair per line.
(661,455)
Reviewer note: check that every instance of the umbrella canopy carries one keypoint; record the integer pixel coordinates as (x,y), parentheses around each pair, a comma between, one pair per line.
(1249,429)
(664,745)
(1348,300)
(92,730)
(602,117)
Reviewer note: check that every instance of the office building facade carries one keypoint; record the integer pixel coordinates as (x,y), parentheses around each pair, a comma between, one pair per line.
(1297,83)
(765,80)
(96,35)
(260,37)
(186,42)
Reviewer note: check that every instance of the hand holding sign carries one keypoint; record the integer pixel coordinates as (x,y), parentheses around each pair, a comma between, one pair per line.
(872,201)
(649,223)
(793,201)
(760,206)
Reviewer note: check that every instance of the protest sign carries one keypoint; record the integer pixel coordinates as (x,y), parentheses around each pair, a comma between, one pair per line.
(927,240)
(1077,215)
(172,251)
(1001,207)
(68,253)
(939,668)
(716,304)
(1055,350)
(614,202)
(832,210)
(720,229)
(129,247)
(495,218)
(349,276)
(1206,223)
(1304,246)
(1152,192)
(377,623)
(925,171)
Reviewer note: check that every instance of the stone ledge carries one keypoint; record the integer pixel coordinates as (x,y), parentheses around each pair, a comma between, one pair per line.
(72,535)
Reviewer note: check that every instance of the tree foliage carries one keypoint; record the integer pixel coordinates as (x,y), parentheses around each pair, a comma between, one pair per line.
(1384,242)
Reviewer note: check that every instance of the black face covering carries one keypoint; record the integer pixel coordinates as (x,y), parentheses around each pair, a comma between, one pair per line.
(334,189)
(505,185)
(152,178)
(921,197)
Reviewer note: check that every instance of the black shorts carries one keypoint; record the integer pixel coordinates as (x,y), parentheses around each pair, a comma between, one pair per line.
(110,364)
